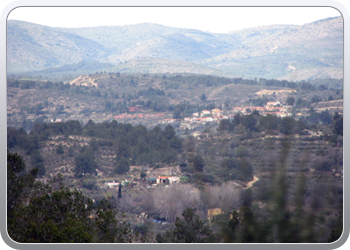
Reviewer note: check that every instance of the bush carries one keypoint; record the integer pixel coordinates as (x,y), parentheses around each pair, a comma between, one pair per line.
(59,149)
(89,184)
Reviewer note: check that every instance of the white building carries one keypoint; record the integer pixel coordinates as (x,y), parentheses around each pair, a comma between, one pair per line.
(112,184)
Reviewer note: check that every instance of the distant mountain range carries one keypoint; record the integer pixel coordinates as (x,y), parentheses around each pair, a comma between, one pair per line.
(290,52)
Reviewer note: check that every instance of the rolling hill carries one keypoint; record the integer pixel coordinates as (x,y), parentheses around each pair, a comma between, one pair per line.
(291,52)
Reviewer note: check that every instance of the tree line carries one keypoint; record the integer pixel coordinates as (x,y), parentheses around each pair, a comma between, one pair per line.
(271,124)
(132,144)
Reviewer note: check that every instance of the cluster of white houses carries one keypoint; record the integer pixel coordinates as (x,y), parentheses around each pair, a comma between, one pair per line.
(215,115)
(273,108)
(154,181)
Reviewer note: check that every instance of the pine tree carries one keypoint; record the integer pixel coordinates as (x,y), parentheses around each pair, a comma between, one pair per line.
(120,191)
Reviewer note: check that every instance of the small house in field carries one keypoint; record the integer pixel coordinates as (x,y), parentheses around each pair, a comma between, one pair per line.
(112,184)
(205,113)
(212,212)
(216,112)
(152,180)
(174,179)
(273,104)
(168,179)
(99,172)
(163,179)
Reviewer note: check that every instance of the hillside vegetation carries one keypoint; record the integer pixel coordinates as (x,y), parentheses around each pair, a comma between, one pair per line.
(103,96)
(127,141)
(291,163)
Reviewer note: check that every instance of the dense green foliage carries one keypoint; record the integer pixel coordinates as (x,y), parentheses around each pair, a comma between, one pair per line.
(85,163)
(192,81)
(137,143)
(52,213)
(268,124)
(190,229)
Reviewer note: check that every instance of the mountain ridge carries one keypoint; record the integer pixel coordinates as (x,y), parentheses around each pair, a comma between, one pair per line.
(291,52)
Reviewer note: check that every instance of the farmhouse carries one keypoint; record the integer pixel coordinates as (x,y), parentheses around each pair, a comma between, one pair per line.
(205,113)
(216,112)
(168,179)
(260,109)
(212,212)
(112,184)
(272,104)
(152,180)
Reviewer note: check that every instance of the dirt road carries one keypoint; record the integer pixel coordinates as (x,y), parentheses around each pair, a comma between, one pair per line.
(249,184)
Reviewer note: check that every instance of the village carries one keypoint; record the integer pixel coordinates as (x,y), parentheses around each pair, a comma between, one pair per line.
(198,119)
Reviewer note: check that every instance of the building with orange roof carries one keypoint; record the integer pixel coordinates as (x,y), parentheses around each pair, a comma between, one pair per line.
(216,112)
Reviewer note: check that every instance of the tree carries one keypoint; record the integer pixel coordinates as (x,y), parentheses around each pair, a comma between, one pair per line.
(191,229)
(59,149)
(18,181)
(226,125)
(226,196)
(176,143)
(109,228)
(249,122)
(244,227)
(169,132)
(203,98)
(290,100)
(70,152)
(122,166)
(165,238)
(314,117)
(94,145)
(338,124)
(85,163)
(300,103)
(198,163)
(325,117)
(177,113)
(120,191)
(315,99)
(287,125)
(52,213)
(37,161)
(57,216)
(268,123)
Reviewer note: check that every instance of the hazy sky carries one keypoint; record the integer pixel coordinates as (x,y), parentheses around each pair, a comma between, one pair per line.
(212,19)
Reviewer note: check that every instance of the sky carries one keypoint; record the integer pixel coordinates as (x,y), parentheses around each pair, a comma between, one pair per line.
(211,19)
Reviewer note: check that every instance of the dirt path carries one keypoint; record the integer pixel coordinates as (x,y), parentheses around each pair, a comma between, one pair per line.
(249,184)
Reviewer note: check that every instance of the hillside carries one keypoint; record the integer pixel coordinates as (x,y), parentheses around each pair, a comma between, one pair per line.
(106,96)
(253,166)
(35,47)
(291,52)
(156,144)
